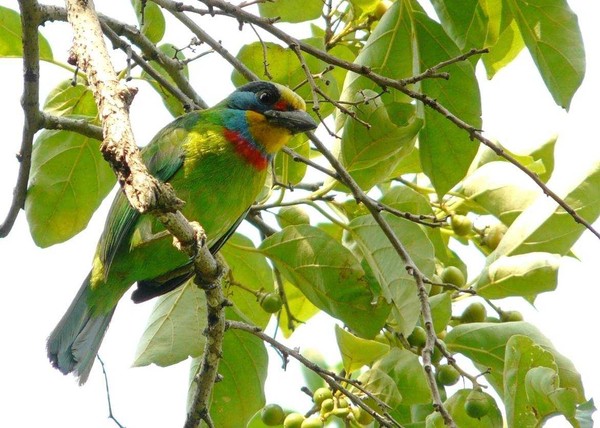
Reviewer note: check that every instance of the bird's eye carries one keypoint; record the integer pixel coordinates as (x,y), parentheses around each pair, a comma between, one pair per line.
(266,97)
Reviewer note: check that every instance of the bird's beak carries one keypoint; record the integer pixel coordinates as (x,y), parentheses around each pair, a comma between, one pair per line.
(296,120)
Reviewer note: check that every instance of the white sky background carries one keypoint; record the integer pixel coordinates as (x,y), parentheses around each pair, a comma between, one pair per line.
(38,285)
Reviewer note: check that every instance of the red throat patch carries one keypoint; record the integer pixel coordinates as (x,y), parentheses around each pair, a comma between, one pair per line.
(244,148)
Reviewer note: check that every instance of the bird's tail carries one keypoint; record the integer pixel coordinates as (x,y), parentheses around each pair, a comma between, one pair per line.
(74,342)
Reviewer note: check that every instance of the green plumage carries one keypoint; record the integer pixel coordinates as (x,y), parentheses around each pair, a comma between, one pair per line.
(216,162)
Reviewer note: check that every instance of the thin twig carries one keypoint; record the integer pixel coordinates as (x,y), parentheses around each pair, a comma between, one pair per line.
(110,412)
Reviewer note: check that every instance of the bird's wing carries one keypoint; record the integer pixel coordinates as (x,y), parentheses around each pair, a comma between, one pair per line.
(163,156)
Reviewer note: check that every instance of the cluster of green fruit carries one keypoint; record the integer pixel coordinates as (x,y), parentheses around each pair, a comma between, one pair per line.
(328,405)
(477,404)
(476,312)
(490,235)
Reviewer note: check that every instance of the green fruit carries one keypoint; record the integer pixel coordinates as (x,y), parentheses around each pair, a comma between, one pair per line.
(272,415)
(312,422)
(418,337)
(461,225)
(292,216)
(381,8)
(271,303)
(327,405)
(293,420)
(494,235)
(361,416)
(343,403)
(321,395)
(475,312)
(511,316)
(453,275)
(447,375)
(478,404)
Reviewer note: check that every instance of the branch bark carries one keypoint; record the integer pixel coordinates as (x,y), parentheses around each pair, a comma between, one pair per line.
(144,192)
(31,108)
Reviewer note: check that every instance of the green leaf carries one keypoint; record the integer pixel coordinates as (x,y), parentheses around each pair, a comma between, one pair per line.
(300,307)
(286,169)
(501,191)
(466,24)
(284,67)
(522,354)
(151,19)
(69,179)
(289,10)
(531,387)
(356,351)
(446,151)
(441,311)
(251,270)
(381,385)
(68,100)
(175,329)
(11,45)
(408,374)
(506,48)
(240,393)
(545,154)
(551,33)
(173,105)
(456,407)
(372,155)
(328,275)
(485,345)
(545,228)
(397,285)
(525,275)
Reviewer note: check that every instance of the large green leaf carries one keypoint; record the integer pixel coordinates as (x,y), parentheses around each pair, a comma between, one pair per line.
(408,374)
(372,155)
(68,100)
(173,105)
(69,179)
(328,275)
(356,351)
(525,275)
(485,345)
(551,33)
(456,407)
(249,269)
(507,47)
(175,329)
(397,285)
(446,151)
(240,393)
(150,18)
(381,385)
(291,10)
(501,190)
(466,22)
(531,388)
(11,45)
(544,227)
(441,311)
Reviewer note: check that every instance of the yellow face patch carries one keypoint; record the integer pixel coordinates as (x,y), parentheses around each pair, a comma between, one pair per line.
(273,138)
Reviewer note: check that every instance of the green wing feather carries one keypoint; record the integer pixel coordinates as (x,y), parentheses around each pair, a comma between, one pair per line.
(163,157)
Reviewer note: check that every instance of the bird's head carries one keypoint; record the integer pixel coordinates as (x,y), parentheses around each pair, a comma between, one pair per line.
(272,113)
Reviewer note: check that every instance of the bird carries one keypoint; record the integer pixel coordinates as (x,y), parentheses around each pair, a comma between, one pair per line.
(217,161)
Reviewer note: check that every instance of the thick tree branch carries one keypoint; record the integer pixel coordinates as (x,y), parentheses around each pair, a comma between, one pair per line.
(144,192)
(31,108)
